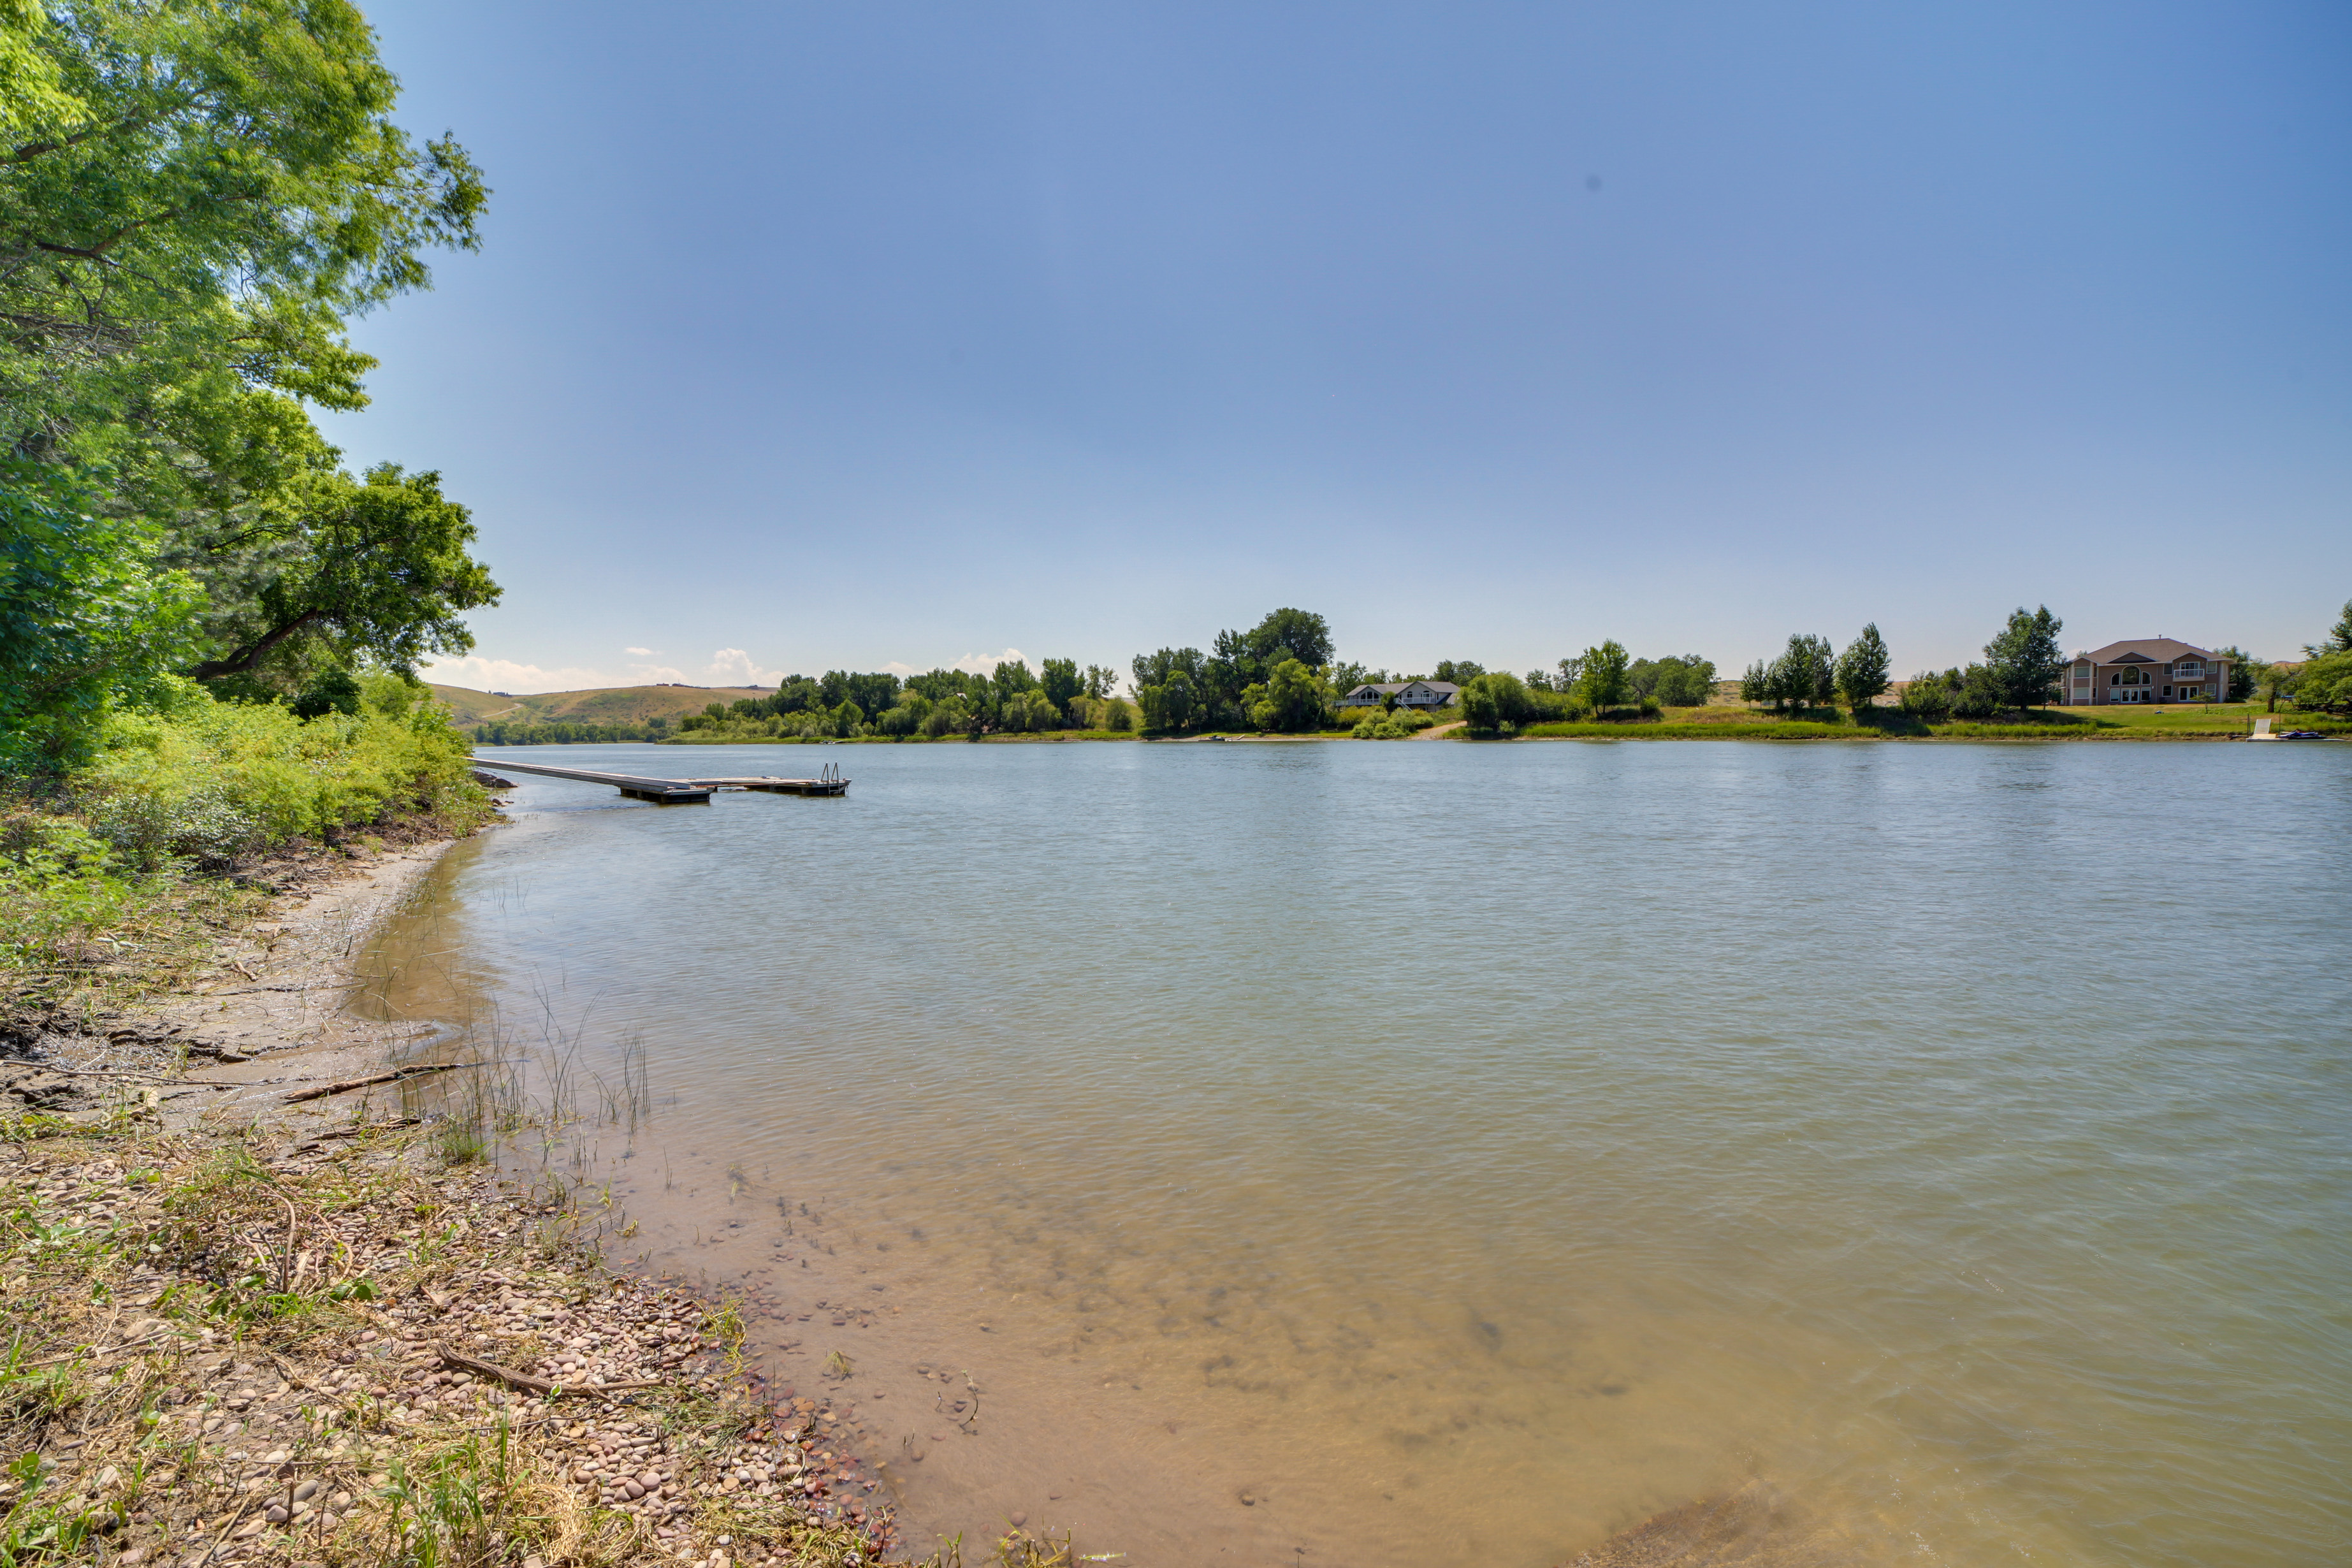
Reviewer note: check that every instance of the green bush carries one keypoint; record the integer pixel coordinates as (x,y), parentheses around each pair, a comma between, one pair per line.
(208,781)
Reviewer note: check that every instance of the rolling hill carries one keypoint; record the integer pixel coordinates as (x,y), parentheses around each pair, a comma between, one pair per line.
(469,708)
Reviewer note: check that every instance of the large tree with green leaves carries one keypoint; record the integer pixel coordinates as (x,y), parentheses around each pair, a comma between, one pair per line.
(199,195)
(1862,668)
(1601,682)
(2025,659)
(376,569)
(194,198)
(85,612)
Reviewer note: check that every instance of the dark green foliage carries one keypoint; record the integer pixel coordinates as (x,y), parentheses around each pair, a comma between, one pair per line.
(1979,692)
(1862,668)
(2244,670)
(1928,697)
(1500,703)
(84,616)
(2025,659)
(331,690)
(871,693)
(1676,681)
(1290,634)
(1601,682)
(194,200)
(1460,671)
(499,733)
(2324,684)
(1059,679)
(1804,676)
(1293,701)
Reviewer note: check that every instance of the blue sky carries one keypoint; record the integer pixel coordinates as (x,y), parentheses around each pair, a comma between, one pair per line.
(879,336)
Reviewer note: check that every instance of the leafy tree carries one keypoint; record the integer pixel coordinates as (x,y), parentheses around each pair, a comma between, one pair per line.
(1862,668)
(2273,681)
(2025,661)
(377,569)
(1928,697)
(86,615)
(1155,669)
(1601,682)
(1460,672)
(198,195)
(1805,675)
(1295,701)
(1979,692)
(2245,670)
(1100,682)
(2338,640)
(1060,681)
(1683,681)
(1491,701)
(1290,634)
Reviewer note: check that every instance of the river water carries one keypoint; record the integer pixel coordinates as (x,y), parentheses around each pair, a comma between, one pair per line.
(1381,1155)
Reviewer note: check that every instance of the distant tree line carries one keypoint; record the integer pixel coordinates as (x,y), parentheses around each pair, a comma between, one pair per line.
(1276,677)
(842,704)
(500,733)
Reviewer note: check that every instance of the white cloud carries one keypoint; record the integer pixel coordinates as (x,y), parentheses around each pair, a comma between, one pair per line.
(505,675)
(727,666)
(644,652)
(733,666)
(895,667)
(986,663)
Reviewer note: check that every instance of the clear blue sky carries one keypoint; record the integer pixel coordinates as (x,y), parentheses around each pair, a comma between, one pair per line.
(875,335)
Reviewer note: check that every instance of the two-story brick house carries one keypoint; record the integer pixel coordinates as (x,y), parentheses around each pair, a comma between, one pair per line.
(2152,669)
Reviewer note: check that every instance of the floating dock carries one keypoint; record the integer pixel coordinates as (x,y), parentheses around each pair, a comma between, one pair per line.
(677,791)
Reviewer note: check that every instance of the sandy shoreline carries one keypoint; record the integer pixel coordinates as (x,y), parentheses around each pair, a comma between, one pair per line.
(333,1299)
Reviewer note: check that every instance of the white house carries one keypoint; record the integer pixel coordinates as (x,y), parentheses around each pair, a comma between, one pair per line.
(1408,694)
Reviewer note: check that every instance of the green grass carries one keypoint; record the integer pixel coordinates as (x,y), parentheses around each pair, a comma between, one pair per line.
(1720,723)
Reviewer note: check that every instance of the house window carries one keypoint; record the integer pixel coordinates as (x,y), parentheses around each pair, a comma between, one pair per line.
(2189,668)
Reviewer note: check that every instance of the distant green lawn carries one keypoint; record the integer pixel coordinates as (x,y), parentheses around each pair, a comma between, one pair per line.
(1723,722)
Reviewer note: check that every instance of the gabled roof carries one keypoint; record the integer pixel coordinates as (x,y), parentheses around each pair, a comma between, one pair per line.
(1395,686)
(2146,650)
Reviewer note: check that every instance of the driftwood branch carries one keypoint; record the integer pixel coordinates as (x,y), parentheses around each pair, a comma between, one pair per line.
(535,1384)
(417,1069)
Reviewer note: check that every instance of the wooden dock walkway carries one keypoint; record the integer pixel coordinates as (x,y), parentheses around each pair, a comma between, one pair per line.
(677,791)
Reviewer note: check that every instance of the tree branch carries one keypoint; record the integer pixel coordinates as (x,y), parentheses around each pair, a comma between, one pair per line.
(245,658)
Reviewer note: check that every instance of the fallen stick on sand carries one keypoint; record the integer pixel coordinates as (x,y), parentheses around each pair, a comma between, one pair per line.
(416,1069)
(536,1384)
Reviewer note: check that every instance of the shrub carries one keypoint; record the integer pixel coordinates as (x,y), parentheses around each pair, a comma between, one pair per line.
(209,781)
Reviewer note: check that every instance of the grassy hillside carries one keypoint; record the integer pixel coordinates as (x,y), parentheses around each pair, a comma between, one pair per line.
(603,705)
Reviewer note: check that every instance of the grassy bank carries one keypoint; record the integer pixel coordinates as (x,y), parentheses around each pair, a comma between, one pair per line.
(114,875)
(1719,722)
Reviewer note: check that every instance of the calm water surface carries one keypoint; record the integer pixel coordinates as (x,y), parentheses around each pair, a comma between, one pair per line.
(1419,1154)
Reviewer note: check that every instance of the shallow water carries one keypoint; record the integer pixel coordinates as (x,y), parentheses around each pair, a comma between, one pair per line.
(1426,1153)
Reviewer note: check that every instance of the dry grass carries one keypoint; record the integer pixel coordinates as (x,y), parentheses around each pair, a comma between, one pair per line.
(217,1355)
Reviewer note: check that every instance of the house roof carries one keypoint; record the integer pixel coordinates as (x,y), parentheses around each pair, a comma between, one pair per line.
(1446,685)
(2146,650)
